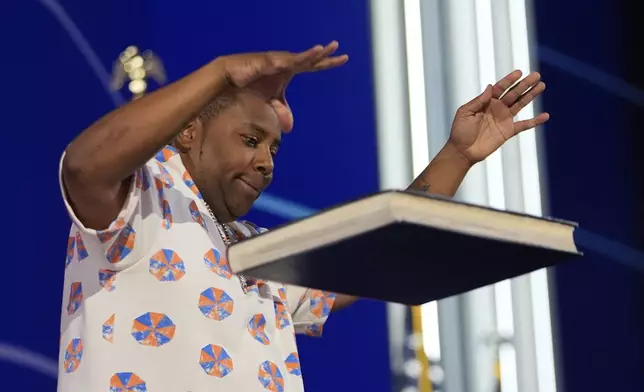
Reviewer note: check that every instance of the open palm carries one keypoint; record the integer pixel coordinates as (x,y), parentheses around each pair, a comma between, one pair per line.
(484,124)
(269,73)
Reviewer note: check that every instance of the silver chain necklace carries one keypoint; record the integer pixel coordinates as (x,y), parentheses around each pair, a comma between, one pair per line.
(226,235)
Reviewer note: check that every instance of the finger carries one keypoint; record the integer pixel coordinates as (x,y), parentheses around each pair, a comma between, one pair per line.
(282,93)
(480,102)
(320,60)
(328,50)
(315,54)
(515,93)
(284,114)
(332,62)
(534,122)
(527,97)
(308,55)
(502,85)
(275,62)
(283,61)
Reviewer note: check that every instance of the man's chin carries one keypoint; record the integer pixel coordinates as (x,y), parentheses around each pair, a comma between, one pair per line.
(241,201)
(241,209)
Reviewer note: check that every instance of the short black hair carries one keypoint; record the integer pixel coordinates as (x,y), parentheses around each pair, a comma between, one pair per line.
(221,102)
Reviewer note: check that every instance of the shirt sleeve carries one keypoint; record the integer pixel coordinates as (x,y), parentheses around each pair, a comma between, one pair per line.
(309,309)
(133,232)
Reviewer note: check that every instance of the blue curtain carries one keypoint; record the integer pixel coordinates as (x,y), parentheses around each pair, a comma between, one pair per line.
(590,58)
(57,55)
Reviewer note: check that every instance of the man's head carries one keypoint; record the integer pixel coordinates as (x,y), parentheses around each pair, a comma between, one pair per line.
(228,150)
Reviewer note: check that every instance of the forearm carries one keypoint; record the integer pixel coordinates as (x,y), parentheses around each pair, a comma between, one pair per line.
(444,174)
(442,177)
(115,146)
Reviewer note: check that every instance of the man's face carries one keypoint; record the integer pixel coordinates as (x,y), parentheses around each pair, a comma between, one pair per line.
(235,162)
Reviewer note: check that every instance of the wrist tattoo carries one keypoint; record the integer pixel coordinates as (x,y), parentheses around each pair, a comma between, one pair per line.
(424,186)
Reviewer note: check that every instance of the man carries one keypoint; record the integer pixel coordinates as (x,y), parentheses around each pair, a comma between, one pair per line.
(154,190)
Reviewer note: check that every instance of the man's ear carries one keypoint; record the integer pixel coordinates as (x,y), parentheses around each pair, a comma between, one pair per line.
(186,140)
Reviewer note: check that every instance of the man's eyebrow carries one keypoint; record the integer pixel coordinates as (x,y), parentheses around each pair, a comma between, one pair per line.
(259,129)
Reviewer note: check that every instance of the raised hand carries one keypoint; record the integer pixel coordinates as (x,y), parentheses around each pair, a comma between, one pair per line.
(482,125)
(270,72)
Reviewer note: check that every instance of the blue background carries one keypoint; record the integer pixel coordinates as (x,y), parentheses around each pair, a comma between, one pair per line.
(591,59)
(593,141)
(328,159)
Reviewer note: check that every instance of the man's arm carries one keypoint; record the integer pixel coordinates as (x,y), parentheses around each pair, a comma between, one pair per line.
(480,127)
(442,176)
(98,164)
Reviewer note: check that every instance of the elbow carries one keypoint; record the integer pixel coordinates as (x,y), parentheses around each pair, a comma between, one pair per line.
(79,170)
(73,168)
(84,171)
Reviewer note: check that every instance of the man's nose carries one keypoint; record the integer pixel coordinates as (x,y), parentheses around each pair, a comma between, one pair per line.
(264,162)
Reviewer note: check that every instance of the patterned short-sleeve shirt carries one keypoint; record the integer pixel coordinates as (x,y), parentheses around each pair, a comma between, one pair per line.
(150,303)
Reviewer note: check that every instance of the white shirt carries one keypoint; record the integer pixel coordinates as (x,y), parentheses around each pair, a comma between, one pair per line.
(150,304)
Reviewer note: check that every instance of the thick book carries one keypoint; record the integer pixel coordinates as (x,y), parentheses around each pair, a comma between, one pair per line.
(405,247)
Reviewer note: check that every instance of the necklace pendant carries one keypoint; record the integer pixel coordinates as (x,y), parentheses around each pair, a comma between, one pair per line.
(227,236)
(244,283)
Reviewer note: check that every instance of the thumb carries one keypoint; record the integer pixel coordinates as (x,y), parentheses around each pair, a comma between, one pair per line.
(480,102)
(284,114)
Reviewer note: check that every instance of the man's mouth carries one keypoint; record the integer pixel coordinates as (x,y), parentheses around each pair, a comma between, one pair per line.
(251,186)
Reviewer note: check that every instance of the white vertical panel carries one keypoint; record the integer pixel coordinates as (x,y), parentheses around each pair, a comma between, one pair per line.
(502,296)
(453,350)
(538,294)
(391,93)
(542,326)
(527,140)
(463,82)
(442,317)
(478,326)
(462,79)
(513,200)
(393,130)
(439,118)
(533,330)
(505,65)
(466,44)
(487,75)
(420,145)
(523,339)
(416,86)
